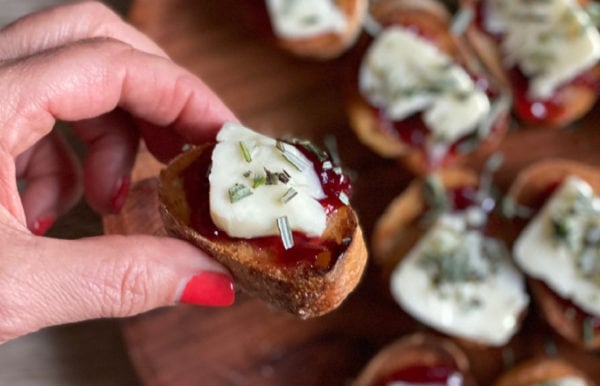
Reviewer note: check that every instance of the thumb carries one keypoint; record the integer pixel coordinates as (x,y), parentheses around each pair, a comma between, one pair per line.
(47,281)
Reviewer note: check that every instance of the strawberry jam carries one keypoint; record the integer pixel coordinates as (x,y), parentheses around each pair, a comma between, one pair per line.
(314,252)
(439,375)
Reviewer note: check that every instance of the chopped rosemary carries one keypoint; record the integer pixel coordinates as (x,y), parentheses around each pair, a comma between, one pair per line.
(245,152)
(284,176)
(320,154)
(258,181)
(271,177)
(247,173)
(289,194)
(292,158)
(285,232)
(238,191)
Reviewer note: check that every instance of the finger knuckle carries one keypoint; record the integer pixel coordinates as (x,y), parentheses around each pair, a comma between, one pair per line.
(131,290)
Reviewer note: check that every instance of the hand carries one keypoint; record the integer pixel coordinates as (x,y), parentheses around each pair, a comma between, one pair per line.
(82,64)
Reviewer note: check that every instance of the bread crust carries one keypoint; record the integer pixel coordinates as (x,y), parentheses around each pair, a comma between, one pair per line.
(577,99)
(412,350)
(433,19)
(330,45)
(538,370)
(302,291)
(530,185)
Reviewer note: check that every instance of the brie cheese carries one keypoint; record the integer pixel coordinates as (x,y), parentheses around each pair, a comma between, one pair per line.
(404,74)
(561,245)
(295,19)
(461,282)
(257,206)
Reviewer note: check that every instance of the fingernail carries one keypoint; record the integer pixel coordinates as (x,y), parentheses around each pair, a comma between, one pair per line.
(41,225)
(120,193)
(209,289)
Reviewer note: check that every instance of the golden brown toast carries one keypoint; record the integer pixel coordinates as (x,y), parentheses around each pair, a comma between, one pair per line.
(538,371)
(433,20)
(531,187)
(301,290)
(415,350)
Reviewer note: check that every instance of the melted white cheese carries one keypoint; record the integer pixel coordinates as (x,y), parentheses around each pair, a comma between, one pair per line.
(485,307)
(552,41)
(256,214)
(564,381)
(404,74)
(564,267)
(294,19)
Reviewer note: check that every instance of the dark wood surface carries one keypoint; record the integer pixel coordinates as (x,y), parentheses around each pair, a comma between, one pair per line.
(271,91)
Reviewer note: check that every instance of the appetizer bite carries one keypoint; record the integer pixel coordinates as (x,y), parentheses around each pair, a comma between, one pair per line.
(559,247)
(318,29)
(547,51)
(276,213)
(418,359)
(453,273)
(544,372)
(422,97)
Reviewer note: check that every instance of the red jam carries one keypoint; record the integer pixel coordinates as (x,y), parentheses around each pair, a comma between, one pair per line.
(314,252)
(422,375)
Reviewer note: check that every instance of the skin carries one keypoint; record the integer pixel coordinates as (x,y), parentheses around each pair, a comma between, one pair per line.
(82,64)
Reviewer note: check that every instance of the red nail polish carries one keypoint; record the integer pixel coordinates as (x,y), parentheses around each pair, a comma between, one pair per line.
(209,289)
(120,194)
(41,225)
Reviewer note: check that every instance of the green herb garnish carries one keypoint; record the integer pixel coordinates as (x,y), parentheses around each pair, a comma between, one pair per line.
(289,194)
(285,232)
(258,181)
(238,191)
(245,152)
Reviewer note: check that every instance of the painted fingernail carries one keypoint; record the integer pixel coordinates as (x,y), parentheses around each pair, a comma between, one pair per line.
(120,193)
(41,225)
(209,289)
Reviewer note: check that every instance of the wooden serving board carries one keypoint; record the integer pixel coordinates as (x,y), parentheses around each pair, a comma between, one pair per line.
(250,343)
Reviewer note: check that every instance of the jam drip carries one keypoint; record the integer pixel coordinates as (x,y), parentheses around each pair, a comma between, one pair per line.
(441,375)
(308,251)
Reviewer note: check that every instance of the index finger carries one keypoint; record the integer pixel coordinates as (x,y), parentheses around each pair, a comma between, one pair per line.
(92,77)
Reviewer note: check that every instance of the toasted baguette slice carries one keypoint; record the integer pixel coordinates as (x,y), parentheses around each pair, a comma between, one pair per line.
(331,44)
(299,290)
(397,230)
(432,19)
(541,371)
(576,99)
(530,188)
(414,351)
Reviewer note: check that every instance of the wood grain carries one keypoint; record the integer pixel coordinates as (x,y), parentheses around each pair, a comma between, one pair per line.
(270,90)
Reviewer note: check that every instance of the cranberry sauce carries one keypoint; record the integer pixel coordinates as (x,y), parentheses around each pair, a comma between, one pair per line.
(423,375)
(314,252)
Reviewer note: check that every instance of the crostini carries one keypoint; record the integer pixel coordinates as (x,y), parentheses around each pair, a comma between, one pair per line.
(544,371)
(418,359)
(449,269)
(546,51)
(557,246)
(421,96)
(317,29)
(276,213)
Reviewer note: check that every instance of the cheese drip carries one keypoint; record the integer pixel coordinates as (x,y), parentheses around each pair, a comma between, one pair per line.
(561,244)
(551,41)
(461,282)
(404,74)
(241,161)
(295,19)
